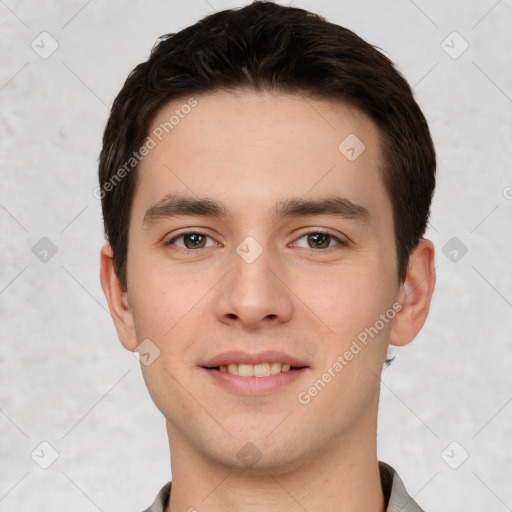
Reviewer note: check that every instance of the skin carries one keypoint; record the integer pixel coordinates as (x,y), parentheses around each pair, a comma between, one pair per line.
(250,150)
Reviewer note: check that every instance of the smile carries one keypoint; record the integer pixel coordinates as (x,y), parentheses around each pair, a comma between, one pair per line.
(254,370)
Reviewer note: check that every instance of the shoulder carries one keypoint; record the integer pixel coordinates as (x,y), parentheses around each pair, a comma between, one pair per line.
(162,499)
(394,488)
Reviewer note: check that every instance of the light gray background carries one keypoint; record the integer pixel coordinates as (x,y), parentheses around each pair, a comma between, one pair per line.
(65,378)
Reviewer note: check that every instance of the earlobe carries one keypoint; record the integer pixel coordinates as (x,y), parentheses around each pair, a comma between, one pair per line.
(415,294)
(117,300)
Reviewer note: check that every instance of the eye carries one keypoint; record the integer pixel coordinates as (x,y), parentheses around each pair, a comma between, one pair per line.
(316,240)
(319,239)
(191,240)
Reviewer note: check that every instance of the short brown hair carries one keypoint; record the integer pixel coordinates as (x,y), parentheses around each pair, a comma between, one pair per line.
(264,46)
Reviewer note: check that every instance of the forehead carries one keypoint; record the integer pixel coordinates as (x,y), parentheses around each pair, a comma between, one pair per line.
(251,149)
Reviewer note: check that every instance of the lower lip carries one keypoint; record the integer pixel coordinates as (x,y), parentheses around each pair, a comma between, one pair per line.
(254,386)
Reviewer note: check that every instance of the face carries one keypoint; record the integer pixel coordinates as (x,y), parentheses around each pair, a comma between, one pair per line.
(291,261)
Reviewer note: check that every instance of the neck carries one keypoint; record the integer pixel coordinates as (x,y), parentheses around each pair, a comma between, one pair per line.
(344,477)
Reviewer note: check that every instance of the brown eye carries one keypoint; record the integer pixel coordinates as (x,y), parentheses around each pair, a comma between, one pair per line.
(191,240)
(318,240)
(194,240)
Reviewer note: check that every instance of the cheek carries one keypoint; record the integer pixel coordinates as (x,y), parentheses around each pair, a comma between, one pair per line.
(167,307)
(351,299)
(358,309)
(163,296)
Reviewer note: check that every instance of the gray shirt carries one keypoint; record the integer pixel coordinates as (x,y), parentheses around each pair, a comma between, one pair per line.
(395,494)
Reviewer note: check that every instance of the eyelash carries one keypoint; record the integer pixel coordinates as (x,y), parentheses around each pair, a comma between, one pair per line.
(341,243)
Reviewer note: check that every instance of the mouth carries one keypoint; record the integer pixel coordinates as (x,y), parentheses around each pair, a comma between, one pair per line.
(255,370)
(254,374)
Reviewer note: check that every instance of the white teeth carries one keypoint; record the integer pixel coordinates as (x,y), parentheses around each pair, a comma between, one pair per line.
(262,370)
(275,368)
(233,368)
(245,370)
(257,370)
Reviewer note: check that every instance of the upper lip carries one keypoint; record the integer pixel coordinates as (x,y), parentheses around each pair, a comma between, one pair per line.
(239,357)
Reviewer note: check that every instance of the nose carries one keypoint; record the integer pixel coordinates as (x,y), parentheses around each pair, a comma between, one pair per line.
(254,294)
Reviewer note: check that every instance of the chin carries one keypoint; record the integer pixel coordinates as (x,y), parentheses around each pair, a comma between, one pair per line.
(260,455)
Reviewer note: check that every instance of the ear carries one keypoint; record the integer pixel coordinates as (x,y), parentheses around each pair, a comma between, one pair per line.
(415,294)
(117,300)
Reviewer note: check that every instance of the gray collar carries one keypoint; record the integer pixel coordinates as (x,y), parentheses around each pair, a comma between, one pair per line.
(392,485)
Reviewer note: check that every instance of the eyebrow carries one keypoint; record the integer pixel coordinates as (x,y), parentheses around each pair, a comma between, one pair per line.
(175,205)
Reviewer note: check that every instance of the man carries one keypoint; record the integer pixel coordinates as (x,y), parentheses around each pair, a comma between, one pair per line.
(266,179)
